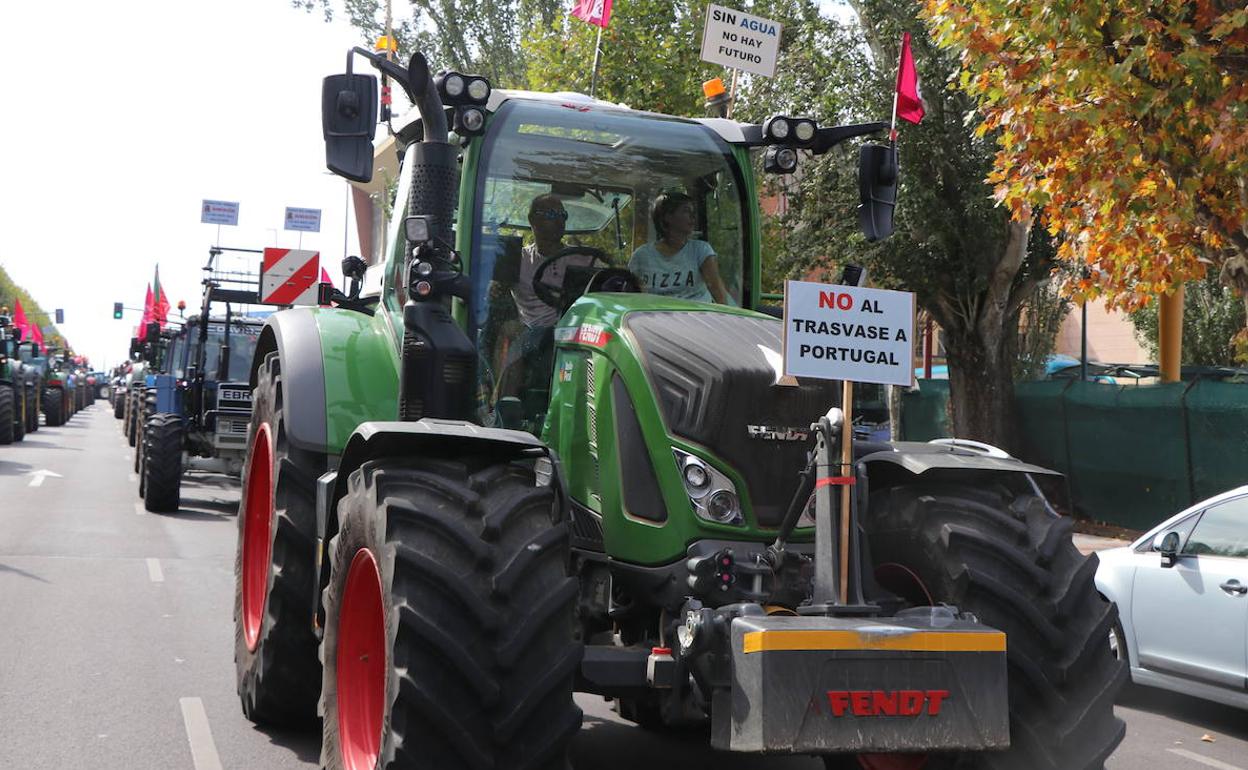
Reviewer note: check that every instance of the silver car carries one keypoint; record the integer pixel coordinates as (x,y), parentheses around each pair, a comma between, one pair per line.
(1182,595)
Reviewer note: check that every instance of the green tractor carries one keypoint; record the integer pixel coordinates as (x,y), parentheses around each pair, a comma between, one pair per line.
(496,474)
(15,377)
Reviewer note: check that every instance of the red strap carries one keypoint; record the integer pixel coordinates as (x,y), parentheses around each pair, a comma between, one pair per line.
(837,481)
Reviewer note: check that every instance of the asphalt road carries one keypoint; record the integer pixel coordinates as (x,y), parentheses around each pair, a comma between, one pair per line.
(116,643)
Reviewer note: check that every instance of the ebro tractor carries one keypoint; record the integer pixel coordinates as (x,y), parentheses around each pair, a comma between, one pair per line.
(444,585)
(195,416)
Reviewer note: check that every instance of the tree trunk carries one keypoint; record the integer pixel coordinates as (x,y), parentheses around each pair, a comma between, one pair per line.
(981,389)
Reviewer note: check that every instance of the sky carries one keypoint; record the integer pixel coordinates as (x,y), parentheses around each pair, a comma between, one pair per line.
(122,117)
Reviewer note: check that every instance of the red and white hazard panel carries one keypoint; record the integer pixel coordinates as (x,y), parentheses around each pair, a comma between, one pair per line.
(289,276)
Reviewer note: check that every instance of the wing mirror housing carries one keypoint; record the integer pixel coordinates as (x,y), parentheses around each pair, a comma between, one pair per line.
(348,121)
(1169,548)
(877,190)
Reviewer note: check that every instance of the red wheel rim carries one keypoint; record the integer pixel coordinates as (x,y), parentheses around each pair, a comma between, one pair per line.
(257,544)
(892,761)
(361,664)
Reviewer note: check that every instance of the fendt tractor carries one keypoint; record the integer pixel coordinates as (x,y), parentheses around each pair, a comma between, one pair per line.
(58,389)
(15,377)
(196,418)
(496,474)
(35,364)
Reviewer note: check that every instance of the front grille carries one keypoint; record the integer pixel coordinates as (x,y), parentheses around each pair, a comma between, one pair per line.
(713,381)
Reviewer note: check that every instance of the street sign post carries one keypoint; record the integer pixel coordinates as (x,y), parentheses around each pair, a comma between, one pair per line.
(740,41)
(219,213)
(303,220)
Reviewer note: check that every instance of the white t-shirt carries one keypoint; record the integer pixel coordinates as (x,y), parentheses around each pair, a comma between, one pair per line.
(679,275)
(534,312)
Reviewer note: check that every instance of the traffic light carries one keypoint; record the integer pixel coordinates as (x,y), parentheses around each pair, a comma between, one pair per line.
(116,310)
(60,316)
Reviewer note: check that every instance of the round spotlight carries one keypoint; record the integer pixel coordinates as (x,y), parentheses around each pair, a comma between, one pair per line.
(696,475)
(786,159)
(722,507)
(478,89)
(423,288)
(778,128)
(472,120)
(453,85)
(804,131)
(424,269)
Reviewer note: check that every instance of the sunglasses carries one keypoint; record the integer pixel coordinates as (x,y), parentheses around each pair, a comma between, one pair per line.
(550,214)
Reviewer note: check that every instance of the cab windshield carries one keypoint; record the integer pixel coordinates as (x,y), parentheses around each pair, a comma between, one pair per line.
(660,197)
(242,346)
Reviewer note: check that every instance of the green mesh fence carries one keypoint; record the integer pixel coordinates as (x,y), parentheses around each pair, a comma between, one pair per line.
(1217,434)
(1133,455)
(925,412)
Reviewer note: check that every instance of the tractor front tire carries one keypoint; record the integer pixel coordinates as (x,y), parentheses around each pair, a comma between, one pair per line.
(134,420)
(32,409)
(1009,561)
(277,672)
(119,407)
(449,634)
(19,413)
(8,407)
(162,463)
(54,407)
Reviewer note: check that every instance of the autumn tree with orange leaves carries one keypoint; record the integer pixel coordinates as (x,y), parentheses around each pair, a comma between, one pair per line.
(1122,125)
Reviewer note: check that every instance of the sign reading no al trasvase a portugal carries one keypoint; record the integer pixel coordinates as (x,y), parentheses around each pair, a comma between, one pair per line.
(848,333)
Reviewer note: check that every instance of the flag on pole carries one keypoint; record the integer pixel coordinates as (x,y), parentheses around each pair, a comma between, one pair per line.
(19,319)
(160,308)
(596,12)
(908,104)
(148,314)
(37,336)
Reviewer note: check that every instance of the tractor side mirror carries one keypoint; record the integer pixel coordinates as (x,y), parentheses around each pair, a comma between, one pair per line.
(354,268)
(1169,549)
(348,121)
(877,190)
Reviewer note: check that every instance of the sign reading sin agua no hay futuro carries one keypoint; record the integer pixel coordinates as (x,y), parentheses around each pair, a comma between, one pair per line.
(740,40)
(848,333)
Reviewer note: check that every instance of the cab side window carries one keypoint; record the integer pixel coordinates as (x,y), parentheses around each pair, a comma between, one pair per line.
(1221,531)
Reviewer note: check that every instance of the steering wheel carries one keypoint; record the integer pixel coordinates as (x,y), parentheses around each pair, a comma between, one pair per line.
(614,279)
(555,296)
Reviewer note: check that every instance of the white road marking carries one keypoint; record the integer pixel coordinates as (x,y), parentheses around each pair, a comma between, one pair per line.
(139,509)
(154,572)
(1203,760)
(37,477)
(203,750)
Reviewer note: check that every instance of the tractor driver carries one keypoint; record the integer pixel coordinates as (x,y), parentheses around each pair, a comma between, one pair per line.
(523,351)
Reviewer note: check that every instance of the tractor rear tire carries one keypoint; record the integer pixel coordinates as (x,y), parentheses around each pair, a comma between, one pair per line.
(119,407)
(54,407)
(1009,561)
(134,421)
(19,413)
(162,463)
(32,409)
(8,406)
(450,621)
(278,675)
(149,411)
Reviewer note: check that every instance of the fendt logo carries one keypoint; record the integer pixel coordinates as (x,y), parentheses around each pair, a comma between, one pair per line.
(770,433)
(886,703)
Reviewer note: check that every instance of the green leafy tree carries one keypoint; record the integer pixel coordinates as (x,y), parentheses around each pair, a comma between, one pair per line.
(1212,316)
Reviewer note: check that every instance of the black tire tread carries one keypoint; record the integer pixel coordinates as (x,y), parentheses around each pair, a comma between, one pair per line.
(279,683)
(8,403)
(54,407)
(162,463)
(1013,565)
(500,698)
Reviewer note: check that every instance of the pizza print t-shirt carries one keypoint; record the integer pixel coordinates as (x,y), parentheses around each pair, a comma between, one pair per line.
(679,275)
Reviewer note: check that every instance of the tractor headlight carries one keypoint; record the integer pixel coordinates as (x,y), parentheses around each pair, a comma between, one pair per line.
(804,130)
(453,85)
(469,121)
(711,493)
(479,90)
(780,160)
(777,128)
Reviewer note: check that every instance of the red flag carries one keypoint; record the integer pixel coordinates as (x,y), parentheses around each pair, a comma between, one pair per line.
(160,309)
(909,104)
(37,336)
(597,12)
(149,310)
(19,319)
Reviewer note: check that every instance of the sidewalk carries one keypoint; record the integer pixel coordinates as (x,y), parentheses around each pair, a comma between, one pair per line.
(1090,543)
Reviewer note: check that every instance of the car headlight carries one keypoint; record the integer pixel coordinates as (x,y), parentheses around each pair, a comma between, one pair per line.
(711,493)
